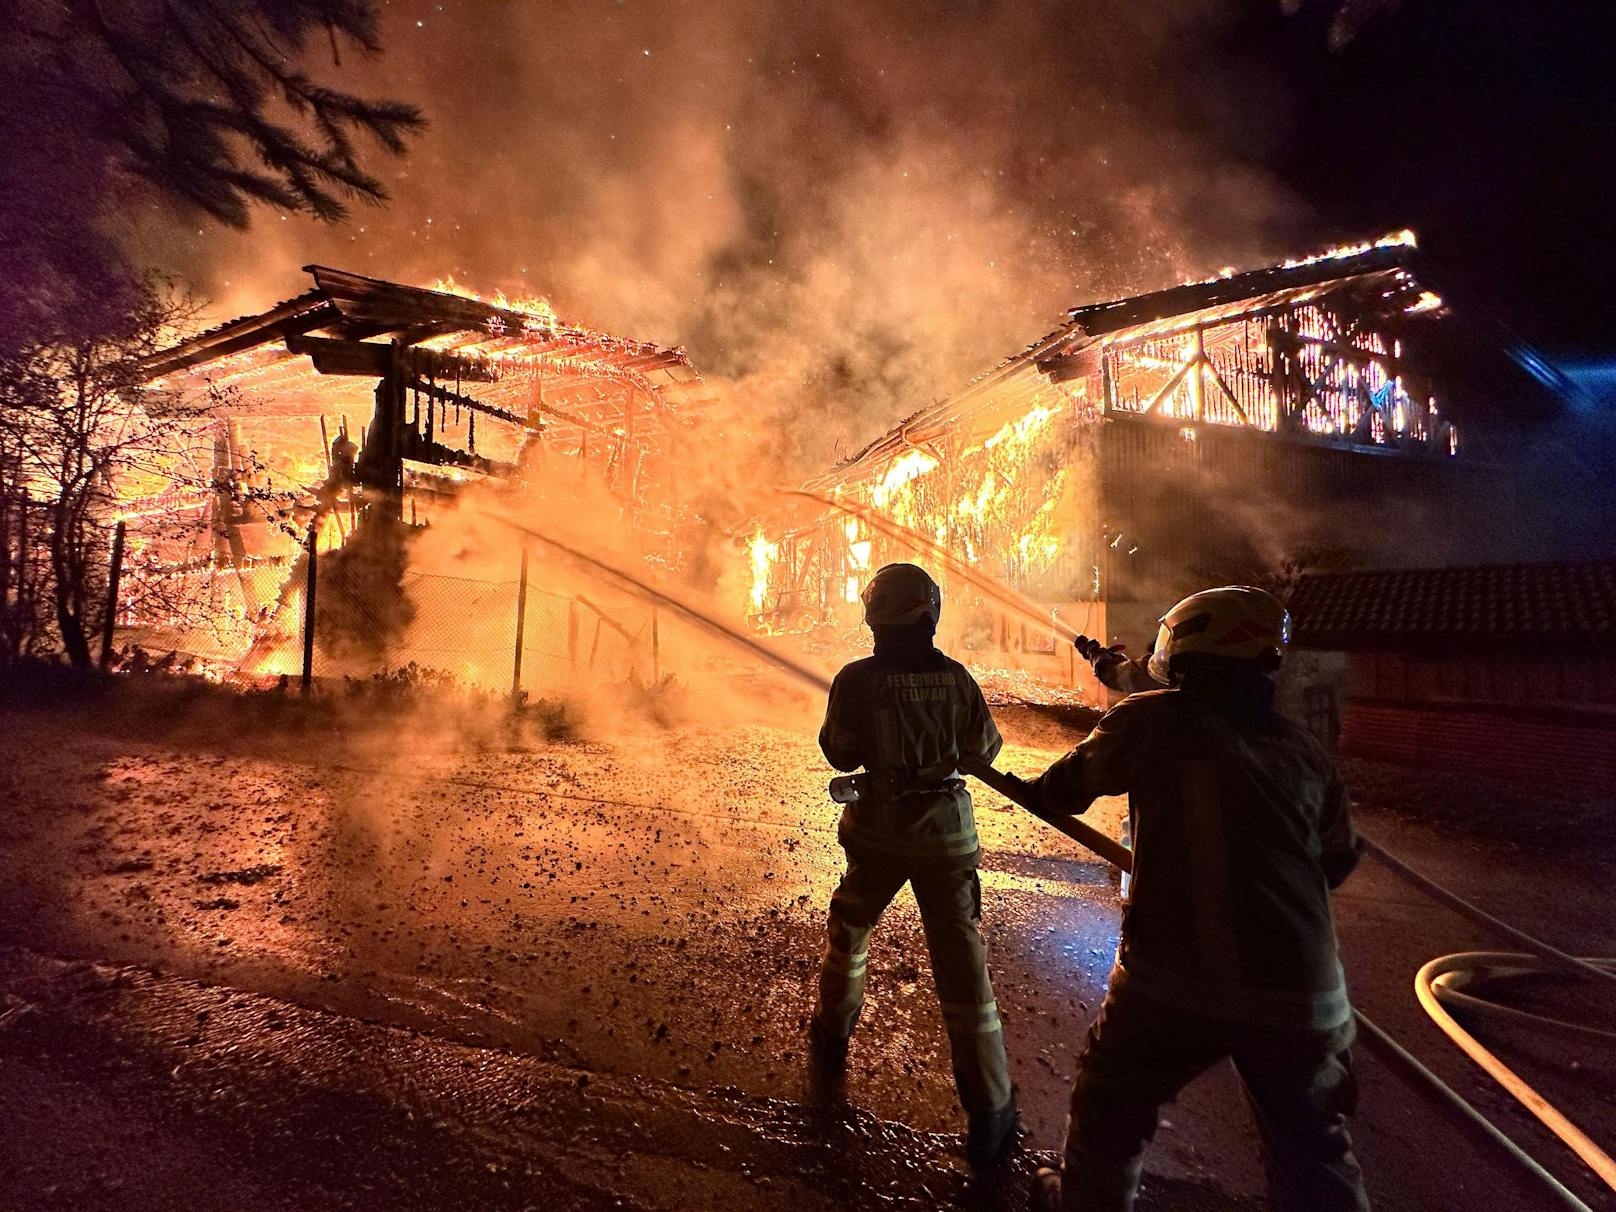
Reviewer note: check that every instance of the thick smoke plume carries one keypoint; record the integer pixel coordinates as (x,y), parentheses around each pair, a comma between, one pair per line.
(842,210)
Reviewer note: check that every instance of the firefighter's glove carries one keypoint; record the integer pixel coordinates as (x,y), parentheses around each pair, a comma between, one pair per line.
(1034,795)
(1106,661)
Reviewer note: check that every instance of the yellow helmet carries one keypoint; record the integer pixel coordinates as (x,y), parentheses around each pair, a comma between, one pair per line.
(901,593)
(1234,621)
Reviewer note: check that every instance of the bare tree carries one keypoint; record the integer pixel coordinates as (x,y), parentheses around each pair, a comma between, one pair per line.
(78,416)
(209,102)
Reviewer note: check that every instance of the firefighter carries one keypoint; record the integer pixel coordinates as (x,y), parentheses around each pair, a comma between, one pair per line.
(1228,946)
(909,715)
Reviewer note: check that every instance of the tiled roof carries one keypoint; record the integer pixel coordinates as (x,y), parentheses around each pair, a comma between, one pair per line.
(1558,605)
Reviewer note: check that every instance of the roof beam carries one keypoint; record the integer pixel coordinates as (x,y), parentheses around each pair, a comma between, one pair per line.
(373,358)
(300,315)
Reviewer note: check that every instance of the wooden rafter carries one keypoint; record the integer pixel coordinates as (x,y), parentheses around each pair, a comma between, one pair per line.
(1172,386)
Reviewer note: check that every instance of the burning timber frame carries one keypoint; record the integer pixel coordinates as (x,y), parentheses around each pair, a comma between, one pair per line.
(453,386)
(1203,430)
(573,387)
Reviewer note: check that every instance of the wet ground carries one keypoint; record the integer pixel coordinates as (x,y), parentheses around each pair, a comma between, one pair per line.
(426,967)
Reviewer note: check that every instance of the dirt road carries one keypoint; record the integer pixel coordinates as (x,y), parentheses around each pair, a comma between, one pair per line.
(276,970)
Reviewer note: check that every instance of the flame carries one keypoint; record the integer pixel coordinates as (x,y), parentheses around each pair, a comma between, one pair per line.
(858,551)
(533,305)
(902,470)
(764,554)
(1392,239)
(993,497)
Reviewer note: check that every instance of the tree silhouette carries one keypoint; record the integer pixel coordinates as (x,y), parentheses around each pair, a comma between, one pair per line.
(207,102)
(205,98)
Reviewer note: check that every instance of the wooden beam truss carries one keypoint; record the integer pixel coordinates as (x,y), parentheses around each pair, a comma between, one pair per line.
(1310,369)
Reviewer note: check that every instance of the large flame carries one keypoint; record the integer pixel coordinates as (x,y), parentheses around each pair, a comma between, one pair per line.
(533,305)
(764,554)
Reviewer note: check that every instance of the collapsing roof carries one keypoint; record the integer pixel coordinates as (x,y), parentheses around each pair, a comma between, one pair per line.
(571,380)
(1384,282)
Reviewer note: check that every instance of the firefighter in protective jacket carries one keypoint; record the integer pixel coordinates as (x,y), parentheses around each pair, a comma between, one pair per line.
(1241,829)
(909,715)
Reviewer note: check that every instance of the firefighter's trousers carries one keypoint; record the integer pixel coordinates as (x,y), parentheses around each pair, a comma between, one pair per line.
(950,900)
(1141,1052)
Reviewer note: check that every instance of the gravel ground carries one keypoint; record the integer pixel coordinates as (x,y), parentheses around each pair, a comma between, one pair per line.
(368,929)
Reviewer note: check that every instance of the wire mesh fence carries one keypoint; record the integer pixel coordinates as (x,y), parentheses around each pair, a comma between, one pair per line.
(218,621)
(335,619)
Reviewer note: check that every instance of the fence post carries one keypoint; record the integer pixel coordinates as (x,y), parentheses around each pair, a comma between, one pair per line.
(656,649)
(521,620)
(309,584)
(114,574)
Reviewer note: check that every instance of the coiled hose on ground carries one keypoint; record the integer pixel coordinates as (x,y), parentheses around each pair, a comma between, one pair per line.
(1437,985)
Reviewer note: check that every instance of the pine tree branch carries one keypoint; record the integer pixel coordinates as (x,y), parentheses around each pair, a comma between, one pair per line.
(179,136)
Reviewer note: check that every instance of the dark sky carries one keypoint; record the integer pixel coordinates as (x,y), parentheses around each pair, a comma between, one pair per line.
(1487,126)
(847,209)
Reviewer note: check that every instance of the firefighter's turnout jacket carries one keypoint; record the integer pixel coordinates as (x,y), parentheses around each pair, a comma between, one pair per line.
(909,715)
(909,718)
(1241,828)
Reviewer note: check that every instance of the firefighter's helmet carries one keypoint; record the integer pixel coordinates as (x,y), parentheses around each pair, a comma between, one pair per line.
(902,593)
(1234,621)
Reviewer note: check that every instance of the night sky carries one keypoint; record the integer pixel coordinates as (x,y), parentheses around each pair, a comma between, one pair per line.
(1488,127)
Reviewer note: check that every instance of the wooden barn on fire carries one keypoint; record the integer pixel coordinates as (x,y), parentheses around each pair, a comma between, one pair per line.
(1328,412)
(365,399)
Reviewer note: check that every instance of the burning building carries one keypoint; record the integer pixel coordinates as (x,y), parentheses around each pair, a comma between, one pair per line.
(1328,412)
(357,408)
(1324,412)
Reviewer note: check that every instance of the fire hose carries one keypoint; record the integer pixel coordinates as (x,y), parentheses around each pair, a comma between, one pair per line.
(1435,983)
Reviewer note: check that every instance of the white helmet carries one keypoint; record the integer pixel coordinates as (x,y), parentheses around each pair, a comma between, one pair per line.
(902,593)
(1234,621)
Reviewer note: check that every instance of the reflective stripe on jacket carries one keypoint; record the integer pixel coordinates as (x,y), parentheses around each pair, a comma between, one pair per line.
(916,714)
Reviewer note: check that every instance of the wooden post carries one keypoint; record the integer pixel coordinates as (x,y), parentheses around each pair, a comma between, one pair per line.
(308,609)
(521,619)
(114,574)
(1198,382)
(5,551)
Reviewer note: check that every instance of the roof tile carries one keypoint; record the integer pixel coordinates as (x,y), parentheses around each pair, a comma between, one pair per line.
(1550,604)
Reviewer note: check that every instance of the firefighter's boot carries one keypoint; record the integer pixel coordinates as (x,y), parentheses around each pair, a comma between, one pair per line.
(990,1136)
(827,1058)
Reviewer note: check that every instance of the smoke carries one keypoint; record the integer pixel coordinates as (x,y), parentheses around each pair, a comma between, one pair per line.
(843,211)
(619,635)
